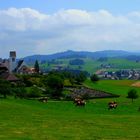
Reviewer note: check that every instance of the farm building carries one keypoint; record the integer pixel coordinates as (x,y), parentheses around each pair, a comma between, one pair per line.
(14,66)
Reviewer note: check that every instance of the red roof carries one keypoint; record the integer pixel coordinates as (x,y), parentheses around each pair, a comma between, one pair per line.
(9,77)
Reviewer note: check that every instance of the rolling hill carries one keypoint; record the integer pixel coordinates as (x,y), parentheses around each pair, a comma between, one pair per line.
(80,54)
(92,61)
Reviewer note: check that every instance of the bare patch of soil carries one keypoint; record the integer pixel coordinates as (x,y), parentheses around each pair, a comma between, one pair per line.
(136,84)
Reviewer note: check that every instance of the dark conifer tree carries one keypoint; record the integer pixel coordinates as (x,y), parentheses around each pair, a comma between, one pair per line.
(36,66)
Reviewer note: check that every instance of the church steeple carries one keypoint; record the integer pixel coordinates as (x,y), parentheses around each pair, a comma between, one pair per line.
(12,61)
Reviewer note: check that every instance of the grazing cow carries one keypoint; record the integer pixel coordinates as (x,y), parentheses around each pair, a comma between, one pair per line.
(43,99)
(76,100)
(112,105)
(79,102)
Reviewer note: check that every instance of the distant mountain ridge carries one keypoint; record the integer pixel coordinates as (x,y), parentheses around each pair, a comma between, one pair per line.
(80,54)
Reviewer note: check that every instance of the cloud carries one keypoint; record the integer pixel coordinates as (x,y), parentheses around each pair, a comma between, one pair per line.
(30,32)
(21,19)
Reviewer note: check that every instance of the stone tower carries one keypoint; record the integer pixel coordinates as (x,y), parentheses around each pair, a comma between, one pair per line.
(12,61)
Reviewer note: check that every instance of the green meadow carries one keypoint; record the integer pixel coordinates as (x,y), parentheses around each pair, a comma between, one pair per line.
(92,65)
(61,120)
(119,87)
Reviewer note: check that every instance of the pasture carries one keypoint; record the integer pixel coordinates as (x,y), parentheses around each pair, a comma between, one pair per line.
(62,120)
(92,65)
(119,87)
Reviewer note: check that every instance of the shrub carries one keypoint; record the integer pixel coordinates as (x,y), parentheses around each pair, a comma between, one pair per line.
(54,85)
(5,88)
(19,92)
(33,92)
(94,78)
(132,94)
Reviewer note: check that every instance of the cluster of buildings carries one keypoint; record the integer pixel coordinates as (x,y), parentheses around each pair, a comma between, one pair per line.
(120,74)
(11,66)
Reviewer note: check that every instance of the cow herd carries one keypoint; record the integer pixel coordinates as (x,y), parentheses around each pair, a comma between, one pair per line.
(81,102)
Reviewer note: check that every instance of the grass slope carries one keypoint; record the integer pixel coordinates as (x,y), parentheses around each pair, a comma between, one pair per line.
(120,87)
(92,65)
(32,120)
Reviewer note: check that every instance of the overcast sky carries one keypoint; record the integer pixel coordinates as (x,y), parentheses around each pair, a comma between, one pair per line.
(50,26)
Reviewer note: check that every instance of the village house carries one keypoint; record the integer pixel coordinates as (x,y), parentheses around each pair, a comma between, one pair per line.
(15,66)
(9,67)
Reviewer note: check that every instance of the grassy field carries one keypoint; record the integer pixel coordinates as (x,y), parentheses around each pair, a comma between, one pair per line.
(92,65)
(119,87)
(55,120)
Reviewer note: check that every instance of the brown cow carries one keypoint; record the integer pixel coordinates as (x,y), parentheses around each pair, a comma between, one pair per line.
(43,99)
(76,100)
(112,105)
(79,102)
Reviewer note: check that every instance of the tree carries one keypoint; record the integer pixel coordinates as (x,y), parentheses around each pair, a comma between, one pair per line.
(71,81)
(54,85)
(81,77)
(132,94)
(36,66)
(19,92)
(33,92)
(94,78)
(5,88)
(27,80)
